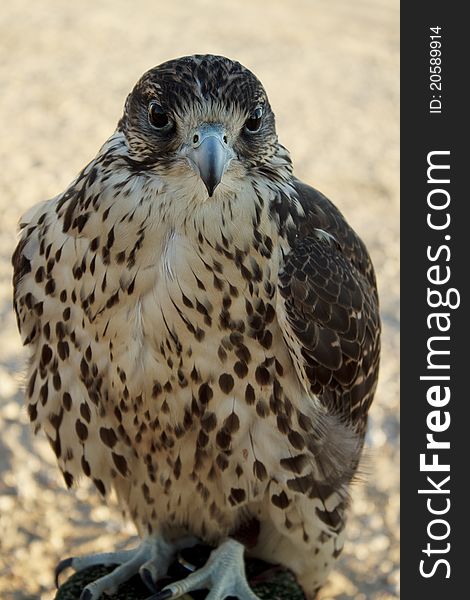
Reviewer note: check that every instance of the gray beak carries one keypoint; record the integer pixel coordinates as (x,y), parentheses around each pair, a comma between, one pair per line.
(210,154)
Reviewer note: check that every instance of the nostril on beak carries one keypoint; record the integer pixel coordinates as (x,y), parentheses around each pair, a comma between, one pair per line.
(209,153)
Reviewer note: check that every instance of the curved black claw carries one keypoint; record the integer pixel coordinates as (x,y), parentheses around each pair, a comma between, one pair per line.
(86,595)
(147,578)
(63,564)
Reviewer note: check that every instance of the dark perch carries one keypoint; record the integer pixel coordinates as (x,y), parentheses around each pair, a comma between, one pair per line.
(267,581)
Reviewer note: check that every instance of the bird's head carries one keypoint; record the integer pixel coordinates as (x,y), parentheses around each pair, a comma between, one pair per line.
(203,119)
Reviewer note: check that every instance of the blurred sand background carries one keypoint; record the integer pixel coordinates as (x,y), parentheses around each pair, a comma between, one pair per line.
(331,70)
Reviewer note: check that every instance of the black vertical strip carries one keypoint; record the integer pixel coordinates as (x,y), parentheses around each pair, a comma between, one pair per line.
(443,562)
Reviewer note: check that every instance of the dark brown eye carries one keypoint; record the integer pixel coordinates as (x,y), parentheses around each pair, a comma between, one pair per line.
(253,123)
(158,118)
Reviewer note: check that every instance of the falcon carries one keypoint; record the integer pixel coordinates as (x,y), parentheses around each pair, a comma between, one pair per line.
(204,336)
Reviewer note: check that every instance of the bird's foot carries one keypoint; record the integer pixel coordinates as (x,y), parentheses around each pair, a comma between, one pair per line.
(150,559)
(223,574)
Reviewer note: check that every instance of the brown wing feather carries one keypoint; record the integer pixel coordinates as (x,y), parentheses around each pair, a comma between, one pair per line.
(331,307)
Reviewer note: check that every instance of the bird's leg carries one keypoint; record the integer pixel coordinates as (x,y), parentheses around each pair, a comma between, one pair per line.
(223,574)
(151,559)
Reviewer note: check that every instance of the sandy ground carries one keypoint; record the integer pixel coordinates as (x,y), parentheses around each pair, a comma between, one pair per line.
(331,70)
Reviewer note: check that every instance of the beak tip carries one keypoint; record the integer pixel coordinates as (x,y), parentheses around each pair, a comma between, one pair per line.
(210,156)
(211,188)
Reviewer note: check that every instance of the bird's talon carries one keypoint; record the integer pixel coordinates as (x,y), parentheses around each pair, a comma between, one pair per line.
(223,574)
(150,559)
(62,565)
(147,578)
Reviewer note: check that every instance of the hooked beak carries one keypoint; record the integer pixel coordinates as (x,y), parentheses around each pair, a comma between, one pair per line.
(210,154)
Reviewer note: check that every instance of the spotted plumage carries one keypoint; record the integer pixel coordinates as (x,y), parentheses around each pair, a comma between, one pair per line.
(203,327)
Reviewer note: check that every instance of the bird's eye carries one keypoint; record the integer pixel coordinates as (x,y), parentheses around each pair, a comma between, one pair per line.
(158,118)
(253,123)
